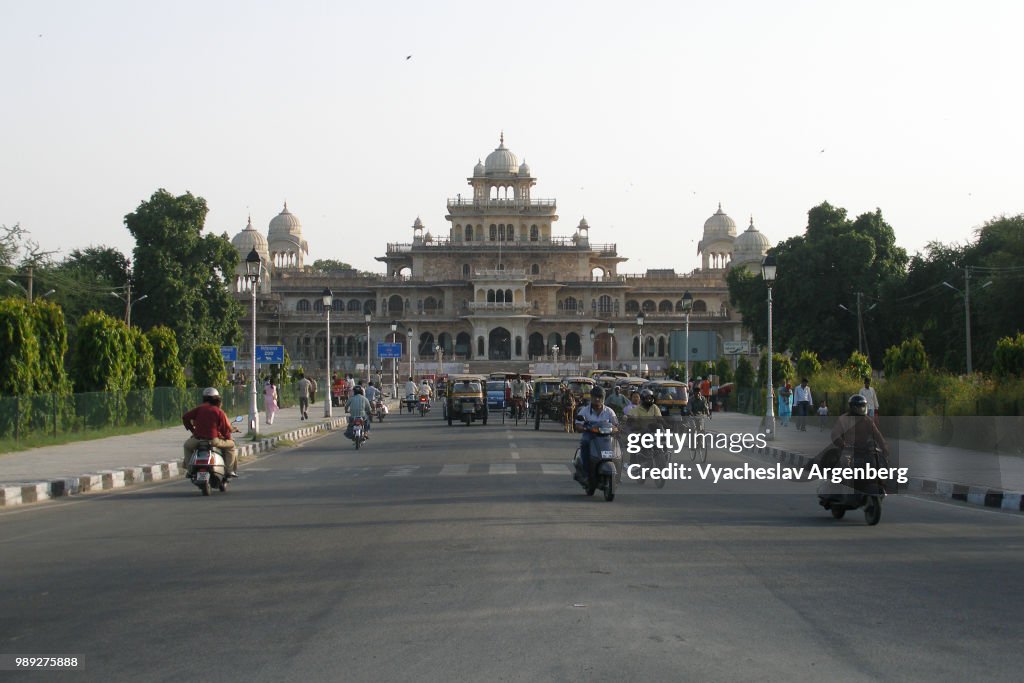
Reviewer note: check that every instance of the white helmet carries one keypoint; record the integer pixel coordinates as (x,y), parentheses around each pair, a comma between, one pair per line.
(211,392)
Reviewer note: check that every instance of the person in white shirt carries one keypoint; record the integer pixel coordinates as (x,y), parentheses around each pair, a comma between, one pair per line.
(868,392)
(803,401)
(411,390)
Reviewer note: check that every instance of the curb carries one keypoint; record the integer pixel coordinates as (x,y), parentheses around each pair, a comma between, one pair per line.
(973,495)
(105,480)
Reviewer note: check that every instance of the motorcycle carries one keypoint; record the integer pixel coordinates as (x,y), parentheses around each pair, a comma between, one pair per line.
(851,494)
(424,405)
(379,409)
(206,466)
(358,432)
(605,462)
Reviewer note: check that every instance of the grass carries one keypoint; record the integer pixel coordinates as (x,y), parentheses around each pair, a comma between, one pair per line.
(40,440)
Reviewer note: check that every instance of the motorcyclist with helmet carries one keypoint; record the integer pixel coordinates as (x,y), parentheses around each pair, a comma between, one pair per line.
(854,429)
(359,406)
(207,422)
(645,417)
(593,414)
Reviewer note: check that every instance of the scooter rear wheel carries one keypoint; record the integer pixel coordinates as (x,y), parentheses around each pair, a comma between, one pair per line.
(609,488)
(873,510)
(206,487)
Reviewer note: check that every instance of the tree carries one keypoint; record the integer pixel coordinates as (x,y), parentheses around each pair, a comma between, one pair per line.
(141,405)
(167,369)
(184,273)
(782,370)
(328,265)
(700,368)
(724,371)
(84,282)
(1009,357)
(103,361)
(907,357)
(826,266)
(744,373)
(808,365)
(208,366)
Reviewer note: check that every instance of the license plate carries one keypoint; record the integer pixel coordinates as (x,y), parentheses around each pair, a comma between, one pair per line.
(607,454)
(202,476)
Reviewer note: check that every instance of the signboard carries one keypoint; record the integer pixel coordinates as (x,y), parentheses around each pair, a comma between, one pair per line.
(703,346)
(229,354)
(270,354)
(389,350)
(732,348)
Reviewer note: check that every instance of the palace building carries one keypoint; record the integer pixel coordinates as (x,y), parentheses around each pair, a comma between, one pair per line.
(498,288)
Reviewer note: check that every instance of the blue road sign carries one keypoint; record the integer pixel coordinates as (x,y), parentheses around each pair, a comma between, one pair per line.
(229,353)
(389,350)
(270,354)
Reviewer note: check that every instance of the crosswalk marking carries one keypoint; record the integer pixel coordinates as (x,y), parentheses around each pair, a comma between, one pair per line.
(515,455)
(403,471)
(454,470)
(503,468)
(548,468)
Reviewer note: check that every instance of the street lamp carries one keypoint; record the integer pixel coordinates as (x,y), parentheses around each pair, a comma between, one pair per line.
(640,324)
(439,352)
(328,297)
(394,361)
(368,317)
(127,299)
(687,307)
(966,294)
(554,357)
(408,335)
(253,268)
(29,294)
(611,346)
(768,268)
(593,351)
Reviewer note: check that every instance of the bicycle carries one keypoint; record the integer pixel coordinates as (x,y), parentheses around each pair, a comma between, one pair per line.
(698,434)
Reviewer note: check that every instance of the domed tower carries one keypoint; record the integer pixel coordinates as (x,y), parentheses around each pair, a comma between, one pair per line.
(716,244)
(286,245)
(502,176)
(244,242)
(749,249)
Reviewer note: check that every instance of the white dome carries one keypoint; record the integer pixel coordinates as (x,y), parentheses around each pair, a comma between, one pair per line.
(719,226)
(524,169)
(249,239)
(284,224)
(751,246)
(478,170)
(501,161)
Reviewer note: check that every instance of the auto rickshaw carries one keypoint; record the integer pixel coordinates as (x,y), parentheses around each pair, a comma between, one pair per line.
(670,396)
(546,402)
(580,387)
(465,399)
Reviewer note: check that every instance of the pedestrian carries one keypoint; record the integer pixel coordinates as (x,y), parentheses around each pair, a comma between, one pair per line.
(803,401)
(822,416)
(868,392)
(302,387)
(312,390)
(785,403)
(270,401)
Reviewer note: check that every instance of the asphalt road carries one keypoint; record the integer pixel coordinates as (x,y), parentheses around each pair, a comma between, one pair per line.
(443,553)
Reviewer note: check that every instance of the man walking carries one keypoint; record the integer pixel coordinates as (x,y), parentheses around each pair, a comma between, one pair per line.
(802,399)
(304,388)
(868,392)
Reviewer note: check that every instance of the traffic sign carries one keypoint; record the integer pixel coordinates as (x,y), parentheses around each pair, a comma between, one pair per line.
(229,354)
(389,350)
(270,354)
(732,348)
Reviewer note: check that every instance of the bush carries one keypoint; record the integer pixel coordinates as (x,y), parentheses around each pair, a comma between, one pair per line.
(857,366)
(724,370)
(909,356)
(782,370)
(1008,357)
(744,373)
(103,361)
(808,365)
(208,366)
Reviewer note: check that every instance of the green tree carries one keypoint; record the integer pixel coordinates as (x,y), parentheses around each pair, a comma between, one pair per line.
(140,408)
(103,361)
(84,281)
(699,369)
(909,356)
(744,373)
(184,273)
(857,366)
(328,265)
(782,370)
(724,370)
(168,374)
(808,365)
(1009,357)
(208,366)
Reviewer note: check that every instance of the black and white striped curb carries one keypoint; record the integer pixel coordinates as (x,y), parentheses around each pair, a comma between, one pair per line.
(975,495)
(35,492)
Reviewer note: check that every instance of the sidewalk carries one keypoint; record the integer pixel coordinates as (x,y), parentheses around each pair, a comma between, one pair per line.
(116,461)
(989,479)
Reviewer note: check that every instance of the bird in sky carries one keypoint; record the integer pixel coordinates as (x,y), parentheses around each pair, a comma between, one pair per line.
(822,151)
(408,57)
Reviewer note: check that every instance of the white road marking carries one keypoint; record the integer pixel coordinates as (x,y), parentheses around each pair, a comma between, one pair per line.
(403,471)
(515,455)
(454,470)
(503,468)
(549,468)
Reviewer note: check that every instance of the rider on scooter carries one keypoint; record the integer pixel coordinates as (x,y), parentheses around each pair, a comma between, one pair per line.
(854,429)
(646,417)
(358,406)
(207,422)
(593,414)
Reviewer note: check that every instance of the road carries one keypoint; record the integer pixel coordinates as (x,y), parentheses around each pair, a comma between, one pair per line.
(458,553)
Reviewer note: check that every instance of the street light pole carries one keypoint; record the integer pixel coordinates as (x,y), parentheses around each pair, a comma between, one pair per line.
(253,268)
(593,350)
(328,297)
(408,335)
(394,361)
(368,317)
(966,294)
(768,269)
(640,324)
(611,346)
(554,357)
(687,307)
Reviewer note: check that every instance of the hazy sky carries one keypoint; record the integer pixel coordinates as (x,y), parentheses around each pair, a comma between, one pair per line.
(641,116)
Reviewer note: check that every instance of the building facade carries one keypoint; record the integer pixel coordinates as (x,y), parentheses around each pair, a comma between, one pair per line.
(500,289)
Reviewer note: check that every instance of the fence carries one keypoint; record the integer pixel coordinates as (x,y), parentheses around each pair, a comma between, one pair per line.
(41,418)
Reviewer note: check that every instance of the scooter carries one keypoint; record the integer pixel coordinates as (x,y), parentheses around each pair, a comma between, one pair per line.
(852,495)
(424,405)
(358,432)
(605,462)
(206,466)
(380,410)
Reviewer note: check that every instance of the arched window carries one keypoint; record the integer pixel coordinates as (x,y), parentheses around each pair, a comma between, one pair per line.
(604,304)
(700,306)
(535,269)
(494,232)
(649,306)
(318,305)
(508,296)
(303,305)
(465,270)
(355,305)
(665,306)
(632,306)
(430,305)
(499,296)
(469,233)
(370,306)
(491,299)
(511,234)
(534,233)
(570,303)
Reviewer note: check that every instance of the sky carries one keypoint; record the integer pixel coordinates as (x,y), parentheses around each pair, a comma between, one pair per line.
(639,116)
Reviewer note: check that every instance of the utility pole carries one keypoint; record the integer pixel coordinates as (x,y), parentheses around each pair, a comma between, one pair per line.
(860,326)
(30,284)
(967,315)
